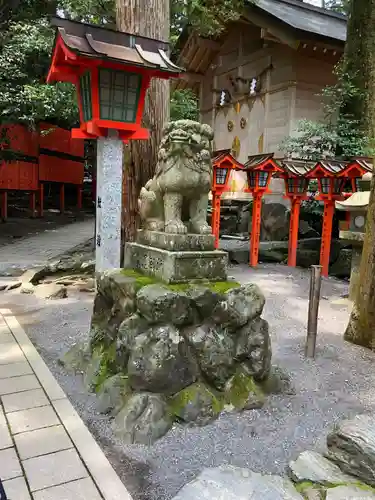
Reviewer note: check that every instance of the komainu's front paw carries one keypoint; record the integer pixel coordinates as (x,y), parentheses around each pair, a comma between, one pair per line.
(175,227)
(201,228)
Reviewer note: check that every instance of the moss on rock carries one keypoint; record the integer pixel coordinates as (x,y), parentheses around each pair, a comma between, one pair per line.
(196,403)
(215,286)
(242,392)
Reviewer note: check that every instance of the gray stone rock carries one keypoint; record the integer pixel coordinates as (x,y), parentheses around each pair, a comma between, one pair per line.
(196,403)
(352,446)
(143,419)
(33,275)
(13,285)
(274,222)
(242,392)
(307,257)
(239,306)
(128,330)
(311,466)
(313,492)
(113,394)
(92,371)
(278,382)
(51,291)
(27,288)
(306,231)
(342,266)
(160,361)
(234,483)
(204,300)
(77,358)
(349,493)
(158,304)
(254,348)
(214,349)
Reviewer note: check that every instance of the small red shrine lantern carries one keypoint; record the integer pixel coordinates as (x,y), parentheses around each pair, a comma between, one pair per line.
(111,71)
(259,171)
(331,187)
(223,163)
(296,186)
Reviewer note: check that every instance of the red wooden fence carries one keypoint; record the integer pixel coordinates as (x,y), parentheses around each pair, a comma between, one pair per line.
(49,155)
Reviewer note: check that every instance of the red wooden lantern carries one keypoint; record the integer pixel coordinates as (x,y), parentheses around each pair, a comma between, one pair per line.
(111,71)
(296,186)
(331,187)
(259,170)
(223,163)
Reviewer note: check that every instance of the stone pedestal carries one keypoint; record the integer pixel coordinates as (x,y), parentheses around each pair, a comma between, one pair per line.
(354,273)
(176,258)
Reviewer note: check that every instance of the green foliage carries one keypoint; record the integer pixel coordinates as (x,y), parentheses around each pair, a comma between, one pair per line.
(100,12)
(184,105)
(207,17)
(338,133)
(25,51)
(341,6)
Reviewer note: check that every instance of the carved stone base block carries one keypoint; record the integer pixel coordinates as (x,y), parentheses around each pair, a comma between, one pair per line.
(176,242)
(176,267)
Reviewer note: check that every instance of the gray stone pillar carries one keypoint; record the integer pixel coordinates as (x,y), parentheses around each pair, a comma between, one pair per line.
(108,203)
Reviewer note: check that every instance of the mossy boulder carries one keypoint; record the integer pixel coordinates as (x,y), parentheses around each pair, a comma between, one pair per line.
(214,349)
(254,348)
(196,403)
(239,306)
(160,361)
(143,419)
(158,304)
(242,392)
(113,393)
(77,358)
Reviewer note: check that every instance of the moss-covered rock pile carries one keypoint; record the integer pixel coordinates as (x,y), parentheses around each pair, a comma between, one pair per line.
(163,353)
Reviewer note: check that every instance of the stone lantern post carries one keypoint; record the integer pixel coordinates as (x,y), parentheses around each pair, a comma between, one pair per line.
(356,205)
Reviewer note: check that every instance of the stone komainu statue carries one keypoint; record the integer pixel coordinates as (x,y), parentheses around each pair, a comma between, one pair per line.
(176,199)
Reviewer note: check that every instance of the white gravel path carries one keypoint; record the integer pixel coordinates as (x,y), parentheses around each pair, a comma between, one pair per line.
(338,384)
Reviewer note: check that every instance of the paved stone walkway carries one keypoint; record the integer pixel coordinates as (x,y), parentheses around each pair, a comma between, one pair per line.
(46,451)
(37,249)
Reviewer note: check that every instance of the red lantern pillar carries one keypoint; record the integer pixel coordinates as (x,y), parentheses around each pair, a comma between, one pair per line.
(293,231)
(62,198)
(216,202)
(325,248)
(4,206)
(255,228)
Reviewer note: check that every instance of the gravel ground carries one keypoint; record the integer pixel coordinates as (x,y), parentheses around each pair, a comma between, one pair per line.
(339,383)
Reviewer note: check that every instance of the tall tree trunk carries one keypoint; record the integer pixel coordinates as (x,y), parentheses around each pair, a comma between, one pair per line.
(359,62)
(360,58)
(146,18)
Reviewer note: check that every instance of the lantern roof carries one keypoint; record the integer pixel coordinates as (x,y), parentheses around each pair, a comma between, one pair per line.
(93,42)
(225,154)
(262,161)
(357,201)
(296,168)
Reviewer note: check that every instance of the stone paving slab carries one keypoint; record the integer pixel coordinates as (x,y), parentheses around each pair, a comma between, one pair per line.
(46,451)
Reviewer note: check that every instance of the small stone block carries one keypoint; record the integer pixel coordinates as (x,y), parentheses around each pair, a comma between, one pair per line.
(9,464)
(53,469)
(24,400)
(83,489)
(5,439)
(16,489)
(176,267)
(10,353)
(15,370)
(18,384)
(29,420)
(176,242)
(42,441)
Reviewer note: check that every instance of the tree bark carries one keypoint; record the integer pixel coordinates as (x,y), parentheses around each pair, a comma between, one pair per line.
(360,57)
(146,18)
(359,62)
